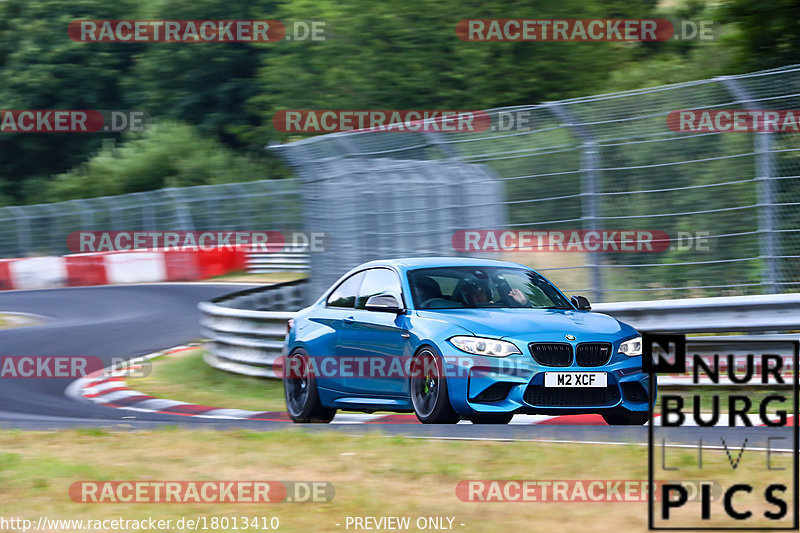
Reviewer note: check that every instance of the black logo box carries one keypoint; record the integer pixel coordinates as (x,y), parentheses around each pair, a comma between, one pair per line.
(674,347)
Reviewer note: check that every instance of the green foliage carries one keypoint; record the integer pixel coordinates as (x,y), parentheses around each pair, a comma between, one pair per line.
(767,35)
(206,85)
(408,56)
(165,155)
(41,68)
(379,55)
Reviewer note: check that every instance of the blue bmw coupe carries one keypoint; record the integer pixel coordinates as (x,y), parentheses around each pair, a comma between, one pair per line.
(452,338)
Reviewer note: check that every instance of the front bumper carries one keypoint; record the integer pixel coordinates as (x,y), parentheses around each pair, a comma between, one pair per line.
(491,385)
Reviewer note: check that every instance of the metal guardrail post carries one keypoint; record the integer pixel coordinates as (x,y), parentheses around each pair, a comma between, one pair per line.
(184,217)
(148,216)
(435,139)
(23,230)
(766,189)
(86,214)
(51,231)
(589,209)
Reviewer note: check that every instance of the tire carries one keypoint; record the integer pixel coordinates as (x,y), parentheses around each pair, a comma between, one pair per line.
(626,418)
(428,389)
(492,418)
(300,391)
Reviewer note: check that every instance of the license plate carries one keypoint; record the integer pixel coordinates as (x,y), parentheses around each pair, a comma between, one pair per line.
(575,379)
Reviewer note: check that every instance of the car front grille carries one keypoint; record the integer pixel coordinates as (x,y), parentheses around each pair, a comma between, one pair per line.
(539,396)
(551,353)
(593,353)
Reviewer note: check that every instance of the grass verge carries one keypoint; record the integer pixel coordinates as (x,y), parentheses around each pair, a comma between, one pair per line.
(373,475)
(265,278)
(186,377)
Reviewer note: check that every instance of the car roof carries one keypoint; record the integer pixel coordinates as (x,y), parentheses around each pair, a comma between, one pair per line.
(411,263)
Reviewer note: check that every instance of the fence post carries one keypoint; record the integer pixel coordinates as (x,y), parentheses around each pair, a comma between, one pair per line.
(766,190)
(53,246)
(111,208)
(86,213)
(184,217)
(435,139)
(23,230)
(589,176)
(148,215)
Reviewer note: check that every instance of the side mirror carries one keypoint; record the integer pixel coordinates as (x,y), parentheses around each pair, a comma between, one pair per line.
(581,303)
(385,303)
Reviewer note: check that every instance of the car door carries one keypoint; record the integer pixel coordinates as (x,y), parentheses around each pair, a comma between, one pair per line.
(379,339)
(338,315)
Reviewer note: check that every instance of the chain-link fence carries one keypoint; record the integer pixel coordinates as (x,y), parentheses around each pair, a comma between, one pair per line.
(727,200)
(253,206)
(378,208)
(606,162)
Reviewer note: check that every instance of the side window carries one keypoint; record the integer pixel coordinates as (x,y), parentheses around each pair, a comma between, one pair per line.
(379,281)
(345,294)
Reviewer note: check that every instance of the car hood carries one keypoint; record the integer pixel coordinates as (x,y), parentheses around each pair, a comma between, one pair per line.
(534,324)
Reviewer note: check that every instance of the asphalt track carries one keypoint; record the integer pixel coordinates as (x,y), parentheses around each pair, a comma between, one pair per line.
(133,320)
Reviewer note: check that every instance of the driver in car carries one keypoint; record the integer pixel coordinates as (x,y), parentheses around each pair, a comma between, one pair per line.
(426,289)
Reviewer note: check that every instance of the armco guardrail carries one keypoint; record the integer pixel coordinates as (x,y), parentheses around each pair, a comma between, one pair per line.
(247,328)
(288,259)
(771,312)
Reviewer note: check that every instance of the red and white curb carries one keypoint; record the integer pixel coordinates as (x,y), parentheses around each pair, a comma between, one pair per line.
(112,391)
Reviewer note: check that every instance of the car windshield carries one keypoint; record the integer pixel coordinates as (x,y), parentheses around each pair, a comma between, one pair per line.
(483,287)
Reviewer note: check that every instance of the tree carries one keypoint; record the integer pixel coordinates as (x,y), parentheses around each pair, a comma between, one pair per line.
(165,155)
(407,55)
(205,84)
(767,35)
(42,68)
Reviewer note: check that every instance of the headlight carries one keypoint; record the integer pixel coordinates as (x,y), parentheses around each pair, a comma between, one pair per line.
(482,346)
(631,347)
